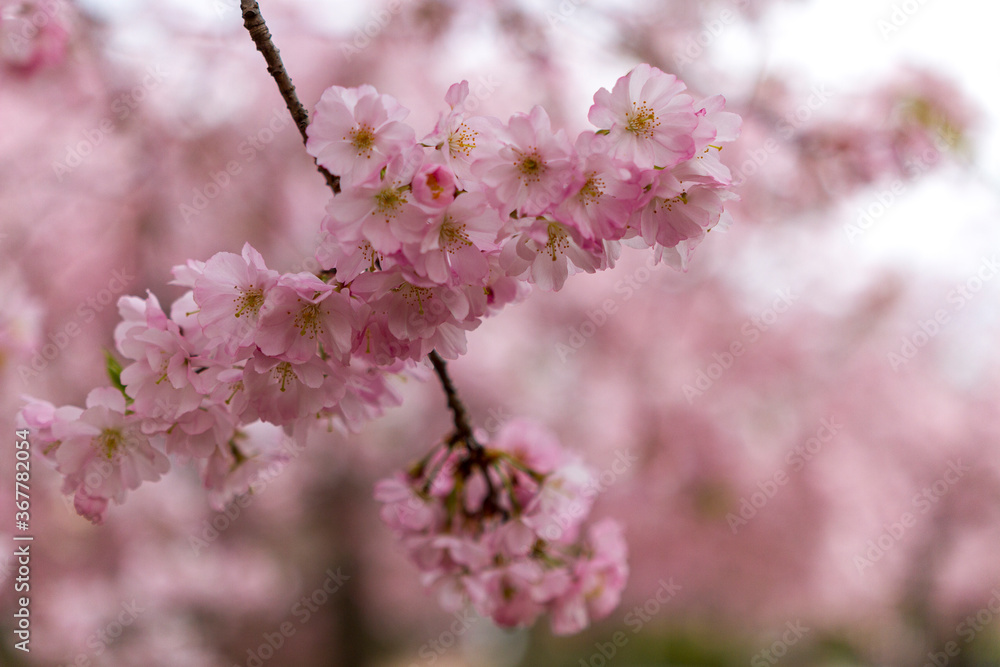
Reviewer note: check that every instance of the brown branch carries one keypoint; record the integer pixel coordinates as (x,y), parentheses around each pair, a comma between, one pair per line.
(463,429)
(261,36)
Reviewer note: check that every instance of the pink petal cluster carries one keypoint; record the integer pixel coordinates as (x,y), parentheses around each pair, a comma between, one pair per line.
(425,240)
(479,199)
(498,527)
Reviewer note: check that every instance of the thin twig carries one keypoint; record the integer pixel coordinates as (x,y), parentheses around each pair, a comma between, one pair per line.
(261,36)
(463,429)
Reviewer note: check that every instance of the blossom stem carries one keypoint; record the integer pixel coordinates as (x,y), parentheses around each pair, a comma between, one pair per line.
(253,20)
(463,429)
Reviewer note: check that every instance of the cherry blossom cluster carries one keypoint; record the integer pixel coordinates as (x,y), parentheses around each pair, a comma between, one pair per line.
(424,240)
(478,202)
(499,526)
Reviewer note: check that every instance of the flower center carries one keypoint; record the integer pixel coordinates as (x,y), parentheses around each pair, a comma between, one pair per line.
(668,204)
(592,190)
(641,120)
(310,320)
(462,140)
(388,201)
(558,240)
(363,139)
(370,255)
(452,236)
(531,165)
(413,295)
(284,374)
(109,442)
(249,301)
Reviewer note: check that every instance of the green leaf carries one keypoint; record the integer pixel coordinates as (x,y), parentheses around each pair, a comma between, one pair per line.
(115,373)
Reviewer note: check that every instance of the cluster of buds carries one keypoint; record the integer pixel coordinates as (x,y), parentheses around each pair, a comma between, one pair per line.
(500,526)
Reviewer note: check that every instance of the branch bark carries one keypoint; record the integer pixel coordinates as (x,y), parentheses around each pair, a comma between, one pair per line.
(253,20)
(463,429)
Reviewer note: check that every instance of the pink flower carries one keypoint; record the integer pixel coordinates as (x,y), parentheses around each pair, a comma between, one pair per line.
(460,139)
(197,434)
(647,117)
(531,170)
(355,131)
(475,520)
(406,310)
(230,293)
(602,195)
(404,510)
(434,186)
(104,453)
(676,212)
(544,254)
(348,258)
(40,417)
(378,209)
(160,380)
(281,392)
(242,460)
(302,314)
(598,581)
(457,243)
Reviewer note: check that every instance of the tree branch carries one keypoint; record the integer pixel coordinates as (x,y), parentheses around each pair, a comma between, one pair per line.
(463,429)
(261,36)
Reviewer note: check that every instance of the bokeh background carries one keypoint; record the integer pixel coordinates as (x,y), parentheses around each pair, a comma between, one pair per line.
(805,423)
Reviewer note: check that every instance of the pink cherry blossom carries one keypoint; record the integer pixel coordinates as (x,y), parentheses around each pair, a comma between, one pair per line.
(476,521)
(434,186)
(531,170)
(103,453)
(303,314)
(462,139)
(355,131)
(457,243)
(602,195)
(161,380)
(230,293)
(648,118)
(379,208)
(547,253)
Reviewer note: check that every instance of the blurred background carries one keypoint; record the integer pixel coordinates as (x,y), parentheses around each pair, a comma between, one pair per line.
(800,433)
